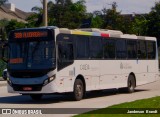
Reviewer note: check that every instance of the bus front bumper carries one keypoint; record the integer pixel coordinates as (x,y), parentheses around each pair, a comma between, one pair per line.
(33,89)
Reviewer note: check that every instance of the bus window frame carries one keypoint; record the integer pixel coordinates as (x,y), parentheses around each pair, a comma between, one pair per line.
(64,41)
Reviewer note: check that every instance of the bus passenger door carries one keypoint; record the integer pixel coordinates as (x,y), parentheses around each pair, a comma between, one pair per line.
(64,64)
(96,54)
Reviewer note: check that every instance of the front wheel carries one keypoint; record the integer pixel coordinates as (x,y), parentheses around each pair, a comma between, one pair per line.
(78,92)
(36,96)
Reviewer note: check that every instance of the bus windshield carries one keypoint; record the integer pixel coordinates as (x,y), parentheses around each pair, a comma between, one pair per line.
(32,54)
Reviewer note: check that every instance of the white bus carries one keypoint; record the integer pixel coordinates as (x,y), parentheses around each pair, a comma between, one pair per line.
(52,60)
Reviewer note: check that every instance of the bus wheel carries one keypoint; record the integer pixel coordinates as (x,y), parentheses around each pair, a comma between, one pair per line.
(78,90)
(36,96)
(131,84)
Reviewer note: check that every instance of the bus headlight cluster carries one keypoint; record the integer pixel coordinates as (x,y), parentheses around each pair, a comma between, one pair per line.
(49,80)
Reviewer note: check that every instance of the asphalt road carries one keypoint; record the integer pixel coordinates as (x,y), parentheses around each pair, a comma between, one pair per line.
(92,101)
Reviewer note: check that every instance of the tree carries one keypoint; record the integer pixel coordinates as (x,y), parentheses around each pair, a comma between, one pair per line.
(78,13)
(3,2)
(154,22)
(140,25)
(36,18)
(65,13)
(14,24)
(61,13)
(3,33)
(112,18)
(97,19)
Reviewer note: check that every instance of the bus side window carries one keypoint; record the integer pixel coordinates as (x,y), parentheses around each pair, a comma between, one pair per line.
(121,51)
(109,48)
(141,49)
(132,49)
(151,50)
(65,54)
(82,47)
(96,50)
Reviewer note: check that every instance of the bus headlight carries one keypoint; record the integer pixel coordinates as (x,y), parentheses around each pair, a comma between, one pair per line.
(49,80)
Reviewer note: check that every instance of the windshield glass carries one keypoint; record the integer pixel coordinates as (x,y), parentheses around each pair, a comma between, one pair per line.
(32,55)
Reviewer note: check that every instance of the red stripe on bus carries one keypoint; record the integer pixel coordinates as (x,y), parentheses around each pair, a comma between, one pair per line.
(104,35)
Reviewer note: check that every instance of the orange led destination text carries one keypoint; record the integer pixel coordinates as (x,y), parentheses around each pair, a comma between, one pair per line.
(16,60)
(19,35)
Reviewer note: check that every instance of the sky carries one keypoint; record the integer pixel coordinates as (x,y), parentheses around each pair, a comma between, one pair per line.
(125,6)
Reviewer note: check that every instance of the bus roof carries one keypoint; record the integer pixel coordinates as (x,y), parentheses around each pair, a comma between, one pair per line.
(94,32)
(103,33)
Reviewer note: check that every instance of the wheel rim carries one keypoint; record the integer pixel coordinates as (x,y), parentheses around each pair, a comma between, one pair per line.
(78,90)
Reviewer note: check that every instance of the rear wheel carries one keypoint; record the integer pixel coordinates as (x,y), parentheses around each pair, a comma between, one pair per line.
(131,84)
(78,92)
(36,96)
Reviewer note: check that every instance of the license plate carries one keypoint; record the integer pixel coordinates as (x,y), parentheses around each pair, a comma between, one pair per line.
(27,88)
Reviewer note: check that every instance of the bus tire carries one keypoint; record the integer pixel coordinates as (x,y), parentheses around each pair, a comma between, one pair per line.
(131,84)
(36,96)
(78,92)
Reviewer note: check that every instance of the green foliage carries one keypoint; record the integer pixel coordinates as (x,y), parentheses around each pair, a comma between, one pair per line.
(2,66)
(3,24)
(154,22)
(112,18)
(67,14)
(13,24)
(62,13)
(97,22)
(140,26)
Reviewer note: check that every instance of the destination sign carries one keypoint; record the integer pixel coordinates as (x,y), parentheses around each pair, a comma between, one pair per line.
(35,34)
(16,60)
